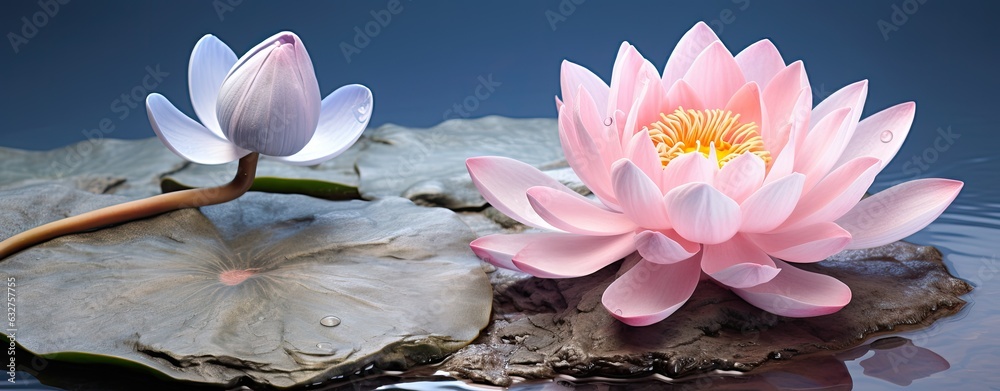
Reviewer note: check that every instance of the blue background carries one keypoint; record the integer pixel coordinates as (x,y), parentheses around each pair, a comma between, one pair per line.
(430,55)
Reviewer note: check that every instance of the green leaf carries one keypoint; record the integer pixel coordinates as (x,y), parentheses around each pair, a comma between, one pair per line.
(310,187)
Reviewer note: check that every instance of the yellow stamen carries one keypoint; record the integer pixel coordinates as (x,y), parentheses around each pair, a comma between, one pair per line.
(700,131)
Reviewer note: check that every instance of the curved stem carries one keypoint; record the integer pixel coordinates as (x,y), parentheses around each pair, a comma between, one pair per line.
(137,209)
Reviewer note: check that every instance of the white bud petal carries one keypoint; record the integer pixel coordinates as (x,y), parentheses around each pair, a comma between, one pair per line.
(269,102)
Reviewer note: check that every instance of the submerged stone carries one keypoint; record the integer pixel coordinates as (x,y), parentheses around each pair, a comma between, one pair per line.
(277,290)
(542,328)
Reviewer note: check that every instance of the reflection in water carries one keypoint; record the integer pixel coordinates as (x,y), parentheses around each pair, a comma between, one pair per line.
(893,359)
(967,236)
(899,361)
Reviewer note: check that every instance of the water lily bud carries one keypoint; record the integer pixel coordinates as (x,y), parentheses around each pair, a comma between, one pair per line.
(269,102)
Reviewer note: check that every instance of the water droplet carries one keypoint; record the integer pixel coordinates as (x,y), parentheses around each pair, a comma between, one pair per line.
(330,321)
(886,136)
(325,346)
(618,312)
(363,110)
(608,121)
(260,318)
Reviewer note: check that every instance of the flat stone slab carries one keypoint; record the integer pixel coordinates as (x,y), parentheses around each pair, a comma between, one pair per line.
(338,170)
(542,328)
(276,290)
(130,168)
(428,165)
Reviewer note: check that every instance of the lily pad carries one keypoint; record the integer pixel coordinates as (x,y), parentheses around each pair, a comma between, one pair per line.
(125,167)
(313,188)
(277,290)
(428,165)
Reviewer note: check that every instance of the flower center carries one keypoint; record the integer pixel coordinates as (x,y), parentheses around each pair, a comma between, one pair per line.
(235,277)
(713,133)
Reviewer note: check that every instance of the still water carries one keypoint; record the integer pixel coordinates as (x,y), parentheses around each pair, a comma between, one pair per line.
(959,352)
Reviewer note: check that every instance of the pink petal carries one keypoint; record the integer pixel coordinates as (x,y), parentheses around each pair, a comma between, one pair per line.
(504,183)
(210,61)
(769,206)
(659,247)
(700,213)
(784,163)
(631,120)
(643,154)
(797,293)
(344,115)
(572,77)
(745,275)
(836,194)
(899,211)
(645,108)
(740,177)
(186,137)
(580,151)
(568,256)
(687,50)
(650,292)
(737,263)
(639,197)
(853,97)
(746,102)
(625,78)
(682,95)
(788,99)
(760,62)
(715,76)
(500,249)
(812,243)
(881,134)
(605,136)
(688,168)
(823,146)
(574,213)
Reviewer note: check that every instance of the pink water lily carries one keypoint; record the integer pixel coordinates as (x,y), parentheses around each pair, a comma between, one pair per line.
(721,166)
(267,101)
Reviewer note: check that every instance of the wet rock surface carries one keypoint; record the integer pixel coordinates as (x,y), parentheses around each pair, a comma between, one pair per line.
(542,328)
